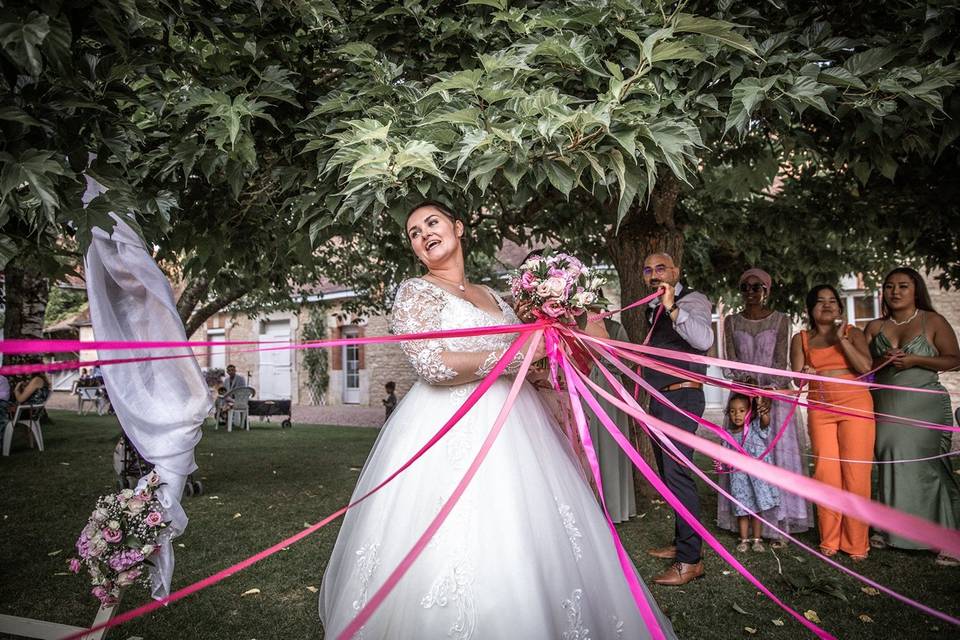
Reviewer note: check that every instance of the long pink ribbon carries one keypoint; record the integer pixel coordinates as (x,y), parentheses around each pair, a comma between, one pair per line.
(626,565)
(681,509)
(397,574)
(693,467)
(880,515)
(816,405)
(485,384)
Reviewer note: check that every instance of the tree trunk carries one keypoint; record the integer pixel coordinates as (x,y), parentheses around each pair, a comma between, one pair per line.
(648,228)
(191,296)
(26,297)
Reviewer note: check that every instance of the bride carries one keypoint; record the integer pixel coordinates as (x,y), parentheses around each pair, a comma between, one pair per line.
(526,552)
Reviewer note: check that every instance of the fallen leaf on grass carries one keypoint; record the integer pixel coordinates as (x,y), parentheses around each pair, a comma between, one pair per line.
(739,609)
(870,591)
(214,497)
(777,622)
(726,573)
(750,630)
(865,618)
(812,616)
(307,525)
(181,545)
(63,573)
(250,592)
(66,464)
(354,468)
(55,553)
(312,589)
(236,515)
(642,515)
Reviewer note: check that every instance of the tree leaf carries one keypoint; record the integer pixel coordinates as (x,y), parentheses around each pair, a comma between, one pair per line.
(719,29)
(560,176)
(22,40)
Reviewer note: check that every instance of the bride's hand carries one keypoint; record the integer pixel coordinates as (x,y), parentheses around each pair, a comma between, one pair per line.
(524,311)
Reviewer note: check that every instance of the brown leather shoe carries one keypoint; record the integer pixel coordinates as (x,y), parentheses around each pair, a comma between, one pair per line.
(665,553)
(680,573)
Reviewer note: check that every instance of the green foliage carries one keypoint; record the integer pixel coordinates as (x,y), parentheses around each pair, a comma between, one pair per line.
(316,361)
(62,304)
(246,139)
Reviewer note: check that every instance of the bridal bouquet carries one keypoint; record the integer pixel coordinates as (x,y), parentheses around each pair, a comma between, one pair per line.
(555,285)
(119,539)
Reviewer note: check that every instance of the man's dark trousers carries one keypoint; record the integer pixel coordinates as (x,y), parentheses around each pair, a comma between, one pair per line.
(676,476)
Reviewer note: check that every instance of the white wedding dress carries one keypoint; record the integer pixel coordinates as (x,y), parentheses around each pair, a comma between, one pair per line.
(525,553)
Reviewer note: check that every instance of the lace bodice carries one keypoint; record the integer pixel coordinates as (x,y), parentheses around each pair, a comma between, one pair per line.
(421,306)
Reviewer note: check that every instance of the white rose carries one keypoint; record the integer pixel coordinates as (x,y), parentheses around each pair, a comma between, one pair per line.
(109,499)
(147,550)
(584,298)
(100,515)
(557,286)
(135,506)
(114,524)
(127,493)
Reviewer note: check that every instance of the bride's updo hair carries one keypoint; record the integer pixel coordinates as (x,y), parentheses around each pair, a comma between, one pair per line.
(447,212)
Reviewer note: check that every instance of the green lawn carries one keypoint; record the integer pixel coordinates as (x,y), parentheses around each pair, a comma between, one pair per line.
(262,486)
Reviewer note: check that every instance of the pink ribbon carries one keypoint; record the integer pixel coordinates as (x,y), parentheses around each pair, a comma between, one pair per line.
(880,515)
(693,467)
(395,576)
(681,510)
(485,384)
(626,565)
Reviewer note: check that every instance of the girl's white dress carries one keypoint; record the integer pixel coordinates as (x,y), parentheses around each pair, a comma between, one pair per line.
(526,553)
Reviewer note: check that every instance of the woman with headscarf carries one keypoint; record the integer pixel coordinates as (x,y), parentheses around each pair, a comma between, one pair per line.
(760,336)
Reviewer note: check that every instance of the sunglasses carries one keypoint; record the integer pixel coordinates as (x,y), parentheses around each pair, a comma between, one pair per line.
(660,269)
(756,287)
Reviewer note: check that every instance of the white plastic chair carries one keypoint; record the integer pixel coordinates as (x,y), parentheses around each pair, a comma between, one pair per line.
(84,395)
(29,415)
(241,407)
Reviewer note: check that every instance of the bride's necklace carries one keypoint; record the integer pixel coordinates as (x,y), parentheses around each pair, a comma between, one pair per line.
(459,285)
(907,321)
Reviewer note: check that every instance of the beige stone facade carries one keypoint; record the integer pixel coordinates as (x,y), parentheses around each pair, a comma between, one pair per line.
(282,374)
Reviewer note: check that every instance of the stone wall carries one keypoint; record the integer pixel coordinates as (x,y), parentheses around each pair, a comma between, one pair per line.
(947,303)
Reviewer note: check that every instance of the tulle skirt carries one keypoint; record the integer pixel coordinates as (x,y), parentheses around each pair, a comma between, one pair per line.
(526,553)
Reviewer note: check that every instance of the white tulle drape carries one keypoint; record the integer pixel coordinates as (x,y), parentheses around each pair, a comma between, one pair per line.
(160,403)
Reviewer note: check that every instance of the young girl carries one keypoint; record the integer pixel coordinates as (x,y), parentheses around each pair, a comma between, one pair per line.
(754,493)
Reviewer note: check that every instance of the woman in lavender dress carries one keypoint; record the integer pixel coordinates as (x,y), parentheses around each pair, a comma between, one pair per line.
(760,336)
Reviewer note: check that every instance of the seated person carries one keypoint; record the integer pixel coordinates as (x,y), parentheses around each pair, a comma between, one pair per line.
(5,402)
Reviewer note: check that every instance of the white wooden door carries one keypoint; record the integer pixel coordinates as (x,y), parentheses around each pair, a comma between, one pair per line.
(275,369)
(351,367)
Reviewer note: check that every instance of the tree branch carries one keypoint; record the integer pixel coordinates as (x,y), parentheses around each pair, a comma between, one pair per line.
(203,313)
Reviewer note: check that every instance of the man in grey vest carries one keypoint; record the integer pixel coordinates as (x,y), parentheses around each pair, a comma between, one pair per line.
(684,325)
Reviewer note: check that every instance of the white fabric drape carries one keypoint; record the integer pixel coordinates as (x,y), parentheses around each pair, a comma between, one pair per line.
(161,404)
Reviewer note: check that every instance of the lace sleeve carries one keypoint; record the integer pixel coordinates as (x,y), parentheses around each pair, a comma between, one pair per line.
(417,309)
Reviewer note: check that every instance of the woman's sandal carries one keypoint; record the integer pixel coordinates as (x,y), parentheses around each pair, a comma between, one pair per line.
(944,560)
(858,557)
(828,552)
(744,545)
(758,545)
(878,541)
(779,544)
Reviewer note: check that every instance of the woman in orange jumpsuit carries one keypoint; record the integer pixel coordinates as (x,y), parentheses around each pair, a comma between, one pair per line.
(834,349)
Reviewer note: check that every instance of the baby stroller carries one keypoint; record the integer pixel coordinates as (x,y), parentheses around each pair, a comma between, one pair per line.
(130,466)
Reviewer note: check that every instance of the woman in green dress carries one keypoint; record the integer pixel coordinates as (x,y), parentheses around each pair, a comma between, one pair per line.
(921,343)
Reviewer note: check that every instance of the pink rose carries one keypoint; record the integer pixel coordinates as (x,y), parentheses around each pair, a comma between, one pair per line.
(74,565)
(553,308)
(111,535)
(528,281)
(154,518)
(103,594)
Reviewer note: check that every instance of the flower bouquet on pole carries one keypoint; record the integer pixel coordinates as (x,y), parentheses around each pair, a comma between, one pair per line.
(120,537)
